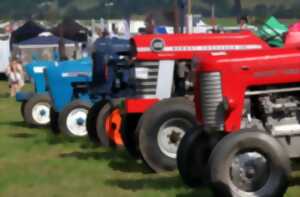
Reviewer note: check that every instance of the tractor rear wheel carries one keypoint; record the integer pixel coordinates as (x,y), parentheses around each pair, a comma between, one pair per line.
(192,157)
(249,164)
(108,125)
(72,120)
(161,130)
(91,122)
(37,110)
(130,122)
(54,121)
(22,109)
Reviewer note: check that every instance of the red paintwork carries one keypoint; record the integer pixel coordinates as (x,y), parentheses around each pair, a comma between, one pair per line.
(241,70)
(139,105)
(190,40)
(176,42)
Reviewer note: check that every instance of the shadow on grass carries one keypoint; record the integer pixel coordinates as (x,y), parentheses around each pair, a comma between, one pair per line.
(58,139)
(23,135)
(129,165)
(193,193)
(159,183)
(295,181)
(117,160)
(88,145)
(87,155)
(14,124)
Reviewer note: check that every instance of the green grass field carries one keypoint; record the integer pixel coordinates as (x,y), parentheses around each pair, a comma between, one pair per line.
(35,163)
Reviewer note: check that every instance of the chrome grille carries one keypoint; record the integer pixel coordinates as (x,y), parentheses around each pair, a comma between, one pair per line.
(146,76)
(211,100)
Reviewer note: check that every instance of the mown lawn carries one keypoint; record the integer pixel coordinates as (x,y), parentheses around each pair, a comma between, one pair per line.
(35,163)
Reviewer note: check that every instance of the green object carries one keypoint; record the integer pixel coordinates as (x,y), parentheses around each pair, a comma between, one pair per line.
(273,32)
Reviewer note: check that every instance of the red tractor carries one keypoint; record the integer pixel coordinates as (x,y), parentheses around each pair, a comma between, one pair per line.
(152,123)
(247,105)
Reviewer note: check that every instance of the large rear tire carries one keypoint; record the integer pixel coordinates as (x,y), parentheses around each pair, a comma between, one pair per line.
(129,136)
(192,157)
(37,110)
(22,109)
(91,122)
(72,120)
(108,125)
(54,121)
(161,130)
(249,164)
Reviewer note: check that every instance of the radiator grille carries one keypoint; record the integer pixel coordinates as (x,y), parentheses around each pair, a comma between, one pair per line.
(146,78)
(211,100)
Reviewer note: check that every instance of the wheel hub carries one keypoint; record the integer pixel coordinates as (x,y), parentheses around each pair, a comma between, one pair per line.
(41,113)
(76,120)
(80,121)
(249,171)
(170,134)
(174,137)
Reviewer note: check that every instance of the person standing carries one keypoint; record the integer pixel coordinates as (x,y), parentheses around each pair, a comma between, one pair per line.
(243,22)
(15,76)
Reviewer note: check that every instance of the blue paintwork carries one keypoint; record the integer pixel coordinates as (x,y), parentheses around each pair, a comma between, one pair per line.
(35,71)
(60,79)
(85,80)
(24,96)
(108,52)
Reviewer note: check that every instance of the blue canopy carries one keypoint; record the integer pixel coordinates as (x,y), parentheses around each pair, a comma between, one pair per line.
(44,41)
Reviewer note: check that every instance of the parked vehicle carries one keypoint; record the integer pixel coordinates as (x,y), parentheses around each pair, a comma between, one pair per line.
(247,106)
(59,82)
(162,66)
(35,107)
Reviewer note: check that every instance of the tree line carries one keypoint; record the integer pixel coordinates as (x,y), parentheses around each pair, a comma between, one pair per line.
(57,9)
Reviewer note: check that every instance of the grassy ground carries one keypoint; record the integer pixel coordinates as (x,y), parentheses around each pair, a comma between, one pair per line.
(35,163)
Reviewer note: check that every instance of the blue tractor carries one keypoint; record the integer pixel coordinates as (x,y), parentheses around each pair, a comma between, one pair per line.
(60,81)
(35,107)
(73,93)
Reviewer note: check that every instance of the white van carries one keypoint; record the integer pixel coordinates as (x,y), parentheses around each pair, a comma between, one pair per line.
(4,56)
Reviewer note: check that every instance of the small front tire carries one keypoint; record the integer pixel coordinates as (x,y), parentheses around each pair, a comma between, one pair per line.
(37,110)
(72,120)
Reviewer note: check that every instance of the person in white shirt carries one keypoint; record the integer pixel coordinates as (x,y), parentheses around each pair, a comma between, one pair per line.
(15,76)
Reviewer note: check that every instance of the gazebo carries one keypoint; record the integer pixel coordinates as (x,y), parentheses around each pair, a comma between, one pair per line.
(43,46)
(29,30)
(72,30)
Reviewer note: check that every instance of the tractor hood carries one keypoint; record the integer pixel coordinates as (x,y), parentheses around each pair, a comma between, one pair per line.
(262,65)
(184,46)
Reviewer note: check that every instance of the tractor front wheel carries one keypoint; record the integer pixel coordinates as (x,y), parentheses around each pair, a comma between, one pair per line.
(192,156)
(91,122)
(108,125)
(249,164)
(161,130)
(37,110)
(72,120)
